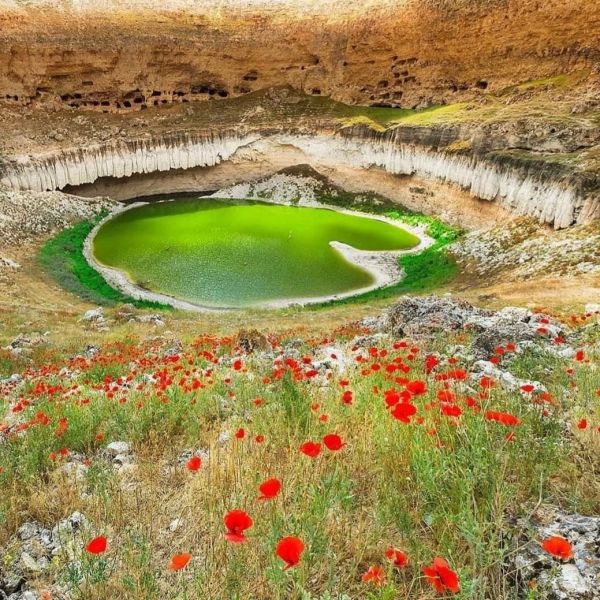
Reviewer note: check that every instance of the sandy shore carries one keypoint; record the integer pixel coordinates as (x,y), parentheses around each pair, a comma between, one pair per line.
(382,265)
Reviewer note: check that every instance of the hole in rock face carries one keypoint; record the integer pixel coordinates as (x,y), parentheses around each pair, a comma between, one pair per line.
(156,93)
(383,83)
(200,89)
(223,93)
(316,91)
(481,84)
(127,104)
(87,83)
(250,76)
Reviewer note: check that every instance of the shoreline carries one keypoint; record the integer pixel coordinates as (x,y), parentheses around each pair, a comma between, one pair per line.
(381,265)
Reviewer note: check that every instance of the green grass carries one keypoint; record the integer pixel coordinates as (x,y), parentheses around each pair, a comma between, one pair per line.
(424,271)
(62,258)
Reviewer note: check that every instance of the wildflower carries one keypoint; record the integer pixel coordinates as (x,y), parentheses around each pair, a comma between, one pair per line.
(399,558)
(237,521)
(194,463)
(259,439)
(416,388)
(558,547)
(582,424)
(404,411)
(311,449)
(290,550)
(333,442)
(179,561)
(97,545)
(505,418)
(441,576)
(269,489)
(240,433)
(527,388)
(375,574)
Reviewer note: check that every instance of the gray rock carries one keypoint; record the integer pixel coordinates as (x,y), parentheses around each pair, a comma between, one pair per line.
(94,314)
(115,449)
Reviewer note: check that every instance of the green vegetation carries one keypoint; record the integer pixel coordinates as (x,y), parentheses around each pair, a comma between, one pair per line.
(62,258)
(442,482)
(424,271)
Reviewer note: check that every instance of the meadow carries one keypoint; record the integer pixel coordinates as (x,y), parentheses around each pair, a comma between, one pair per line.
(345,466)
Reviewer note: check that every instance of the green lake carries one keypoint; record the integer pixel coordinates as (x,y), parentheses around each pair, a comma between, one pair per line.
(224,253)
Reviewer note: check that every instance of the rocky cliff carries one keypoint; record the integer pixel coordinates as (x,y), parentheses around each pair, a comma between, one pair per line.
(549,194)
(126,56)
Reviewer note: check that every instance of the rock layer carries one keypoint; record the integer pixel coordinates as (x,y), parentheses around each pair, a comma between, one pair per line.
(115,56)
(525,188)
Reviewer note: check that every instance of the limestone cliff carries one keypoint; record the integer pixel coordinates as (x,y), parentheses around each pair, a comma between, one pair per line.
(121,56)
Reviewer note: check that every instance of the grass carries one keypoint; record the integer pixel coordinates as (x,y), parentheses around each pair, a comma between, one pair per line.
(442,486)
(62,258)
(424,271)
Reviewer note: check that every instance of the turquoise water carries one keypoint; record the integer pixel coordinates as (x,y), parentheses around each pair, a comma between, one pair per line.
(241,253)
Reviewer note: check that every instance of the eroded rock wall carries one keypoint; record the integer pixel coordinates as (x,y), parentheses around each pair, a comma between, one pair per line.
(115,56)
(526,188)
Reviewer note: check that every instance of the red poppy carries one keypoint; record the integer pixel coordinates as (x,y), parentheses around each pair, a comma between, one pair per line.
(404,411)
(311,449)
(417,387)
(259,439)
(237,521)
(527,388)
(374,574)
(558,547)
(269,489)
(333,442)
(290,549)
(505,418)
(240,433)
(97,545)
(194,463)
(582,424)
(451,410)
(399,558)
(179,561)
(441,576)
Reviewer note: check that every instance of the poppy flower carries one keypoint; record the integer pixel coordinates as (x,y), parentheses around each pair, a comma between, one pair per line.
(194,463)
(505,418)
(582,424)
(269,489)
(237,521)
(179,561)
(404,411)
(441,576)
(311,449)
(399,558)
(558,547)
(374,574)
(240,433)
(333,442)
(97,545)
(290,549)
(416,388)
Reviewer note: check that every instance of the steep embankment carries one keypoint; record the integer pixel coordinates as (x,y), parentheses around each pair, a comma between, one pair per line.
(128,56)
(546,192)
